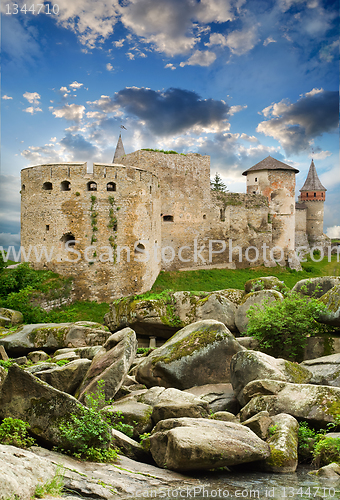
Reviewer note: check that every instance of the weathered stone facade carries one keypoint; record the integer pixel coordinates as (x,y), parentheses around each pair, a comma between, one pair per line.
(114,229)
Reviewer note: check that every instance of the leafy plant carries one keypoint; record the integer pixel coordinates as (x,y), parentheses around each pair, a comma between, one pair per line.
(144,350)
(326,451)
(54,487)
(116,421)
(272,430)
(87,433)
(6,364)
(13,431)
(282,327)
(62,362)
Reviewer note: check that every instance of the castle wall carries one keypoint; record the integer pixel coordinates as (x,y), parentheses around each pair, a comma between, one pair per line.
(96,224)
(301,239)
(315,213)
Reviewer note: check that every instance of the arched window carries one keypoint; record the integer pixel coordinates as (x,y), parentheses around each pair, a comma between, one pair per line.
(92,186)
(110,186)
(65,186)
(68,239)
(47,186)
(139,249)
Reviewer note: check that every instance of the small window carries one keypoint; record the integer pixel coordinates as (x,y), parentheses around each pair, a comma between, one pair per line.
(47,186)
(91,186)
(314,195)
(23,187)
(65,186)
(321,195)
(110,186)
(139,249)
(306,195)
(168,218)
(255,179)
(150,189)
(47,227)
(254,192)
(69,239)
(104,173)
(204,216)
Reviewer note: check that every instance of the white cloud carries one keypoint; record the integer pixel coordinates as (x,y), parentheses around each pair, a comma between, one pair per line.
(53,139)
(217,39)
(6,97)
(64,89)
(130,55)
(320,155)
(119,43)
(73,112)
(268,41)
(75,85)
(32,97)
(200,58)
(333,232)
(109,67)
(170,66)
(32,109)
(241,42)
(313,92)
(237,109)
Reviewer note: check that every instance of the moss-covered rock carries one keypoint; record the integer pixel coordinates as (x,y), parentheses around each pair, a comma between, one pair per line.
(332,300)
(196,355)
(265,283)
(260,297)
(325,370)
(283,442)
(14,317)
(316,287)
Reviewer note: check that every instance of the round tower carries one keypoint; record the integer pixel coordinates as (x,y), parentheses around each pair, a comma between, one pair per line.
(276,180)
(313,195)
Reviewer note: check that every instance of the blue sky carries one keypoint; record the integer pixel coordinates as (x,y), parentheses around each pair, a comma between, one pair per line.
(236,79)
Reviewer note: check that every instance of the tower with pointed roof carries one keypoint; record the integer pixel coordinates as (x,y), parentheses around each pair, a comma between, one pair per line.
(120,152)
(276,180)
(313,196)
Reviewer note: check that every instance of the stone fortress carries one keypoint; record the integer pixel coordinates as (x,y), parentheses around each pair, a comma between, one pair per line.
(115,228)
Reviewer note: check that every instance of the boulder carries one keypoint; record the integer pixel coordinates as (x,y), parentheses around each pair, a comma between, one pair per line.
(52,336)
(318,347)
(198,354)
(66,378)
(170,312)
(133,413)
(26,397)
(82,352)
(254,298)
(316,287)
(332,300)
(219,396)
(330,471)
(259,424)
(196,444)
(247,366)
(36,356)
(39,367)
(3,354)
(5,322)
(184,407)
(265,283)
(225,416)
(283,442)
(129,447)
(21,472)
(22,360)
(111,366)
(318,404)
(66,356)
(325,370)
(233,294)
(15,317)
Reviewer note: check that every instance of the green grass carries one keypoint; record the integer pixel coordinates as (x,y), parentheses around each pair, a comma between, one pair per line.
(218,279)
(78,311)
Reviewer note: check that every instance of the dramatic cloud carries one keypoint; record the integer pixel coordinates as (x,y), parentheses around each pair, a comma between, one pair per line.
(240,42)
(294,125)
(72,112)
(78,146)
(173,111)
(200,58)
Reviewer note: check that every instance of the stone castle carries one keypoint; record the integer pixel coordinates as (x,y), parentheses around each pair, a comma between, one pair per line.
(115,228)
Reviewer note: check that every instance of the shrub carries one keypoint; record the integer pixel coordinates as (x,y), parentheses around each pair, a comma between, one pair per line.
(326,451)
(13,431)
(86,430)
(282,327)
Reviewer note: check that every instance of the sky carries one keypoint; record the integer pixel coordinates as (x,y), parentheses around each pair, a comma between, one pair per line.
(234,79)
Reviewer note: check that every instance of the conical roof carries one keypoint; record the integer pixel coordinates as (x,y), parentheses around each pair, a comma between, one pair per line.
(312,182)
(270,163)
(119,150)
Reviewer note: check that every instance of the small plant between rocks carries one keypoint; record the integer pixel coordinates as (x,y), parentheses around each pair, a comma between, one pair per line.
(13,431)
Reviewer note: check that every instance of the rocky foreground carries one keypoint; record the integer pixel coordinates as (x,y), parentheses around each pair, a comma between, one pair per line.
(202,401)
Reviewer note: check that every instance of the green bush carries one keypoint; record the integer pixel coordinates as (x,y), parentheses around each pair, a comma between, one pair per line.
(6,364)
(13,431)
(282,327)
(116,422)
(84,431)
(326,451)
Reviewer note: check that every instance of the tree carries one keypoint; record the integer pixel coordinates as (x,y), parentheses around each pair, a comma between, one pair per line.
(217,184)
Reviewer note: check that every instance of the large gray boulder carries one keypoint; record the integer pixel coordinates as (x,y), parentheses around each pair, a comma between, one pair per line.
(283,443)
(332,300)
(26,397)
(21,472)
(260,298)
(171,312)
(52,336)
(198,354)
(10,317)
(264,283)
(111,366)
(325,370)
(66,378)
(316,287)
(318,404)
(194,444)
(133,413)
(221,397)
(247,366)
